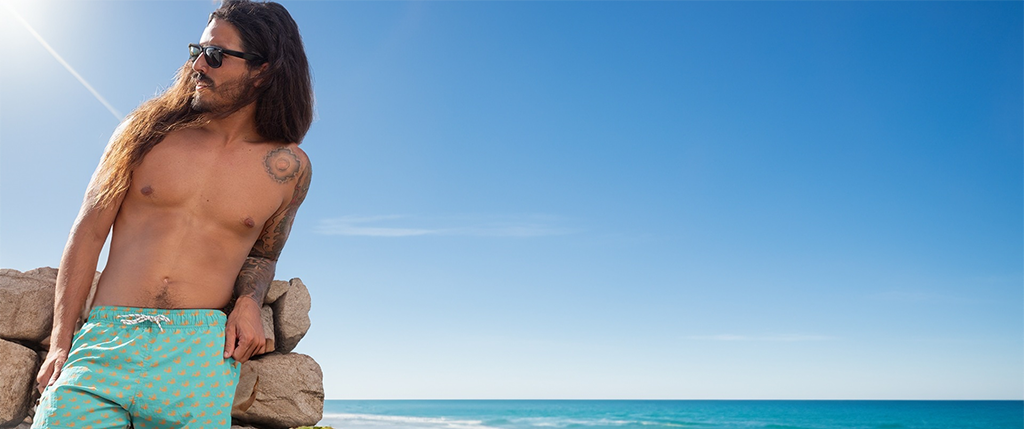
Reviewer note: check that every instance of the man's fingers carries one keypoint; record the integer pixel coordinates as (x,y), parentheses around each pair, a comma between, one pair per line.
(43,379)
(250,350)
(44,375)
(53,378)
(240,354)
(243,343)
(229,340)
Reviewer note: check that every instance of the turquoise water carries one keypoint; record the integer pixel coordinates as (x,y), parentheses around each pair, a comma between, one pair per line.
(551,414)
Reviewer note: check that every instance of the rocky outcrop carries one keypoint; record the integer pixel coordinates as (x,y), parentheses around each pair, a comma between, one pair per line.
(287,391)
(26,306)
(280,389)
(276,390)
(17,376)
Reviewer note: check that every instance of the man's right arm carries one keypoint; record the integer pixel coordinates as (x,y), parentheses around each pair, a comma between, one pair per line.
(76,272)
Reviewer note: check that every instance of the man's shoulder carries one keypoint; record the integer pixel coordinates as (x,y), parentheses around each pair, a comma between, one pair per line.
(286,161)
(305,167)
(292,152)
(302,156)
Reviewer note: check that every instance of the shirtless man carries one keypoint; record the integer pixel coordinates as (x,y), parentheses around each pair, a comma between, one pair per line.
(200,185)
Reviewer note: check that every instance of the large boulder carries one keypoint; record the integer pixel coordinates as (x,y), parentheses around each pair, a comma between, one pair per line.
(288,389)
(17,376)
(45,273)
(291,316)
(26,306)
(26,303)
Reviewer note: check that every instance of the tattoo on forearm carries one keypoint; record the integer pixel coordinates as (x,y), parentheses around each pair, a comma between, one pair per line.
(254,278)
(282,164)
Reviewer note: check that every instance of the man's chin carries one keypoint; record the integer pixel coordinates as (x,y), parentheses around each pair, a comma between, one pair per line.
(199,105)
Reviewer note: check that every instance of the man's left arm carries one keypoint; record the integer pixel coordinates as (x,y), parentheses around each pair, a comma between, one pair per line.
(244,336)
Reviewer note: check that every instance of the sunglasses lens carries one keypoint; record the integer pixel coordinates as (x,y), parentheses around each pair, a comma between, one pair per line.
(213,56)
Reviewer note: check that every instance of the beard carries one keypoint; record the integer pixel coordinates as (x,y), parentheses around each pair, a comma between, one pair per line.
(224,98)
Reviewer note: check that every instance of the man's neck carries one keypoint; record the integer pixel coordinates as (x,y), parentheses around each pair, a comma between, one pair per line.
(238,126)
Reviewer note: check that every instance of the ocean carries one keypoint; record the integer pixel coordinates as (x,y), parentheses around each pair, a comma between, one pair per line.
(623,414)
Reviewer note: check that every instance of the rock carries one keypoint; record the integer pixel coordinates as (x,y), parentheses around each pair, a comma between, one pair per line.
(234,426)
(26,306)
(17,376)
(277,288)
(267,314)
(289,392)
(44,273)
(26,423)
(245,392)
(291,316)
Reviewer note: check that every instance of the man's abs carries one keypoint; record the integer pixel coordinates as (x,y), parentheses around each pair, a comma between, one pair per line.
(157,260)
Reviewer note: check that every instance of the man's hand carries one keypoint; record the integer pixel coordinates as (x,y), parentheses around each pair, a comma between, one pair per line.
(243,335)
(50,370)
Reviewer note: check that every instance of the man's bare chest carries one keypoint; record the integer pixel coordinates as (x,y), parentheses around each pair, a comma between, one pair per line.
(229,187)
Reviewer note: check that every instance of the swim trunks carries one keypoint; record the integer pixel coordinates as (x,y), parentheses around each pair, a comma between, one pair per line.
(144,367)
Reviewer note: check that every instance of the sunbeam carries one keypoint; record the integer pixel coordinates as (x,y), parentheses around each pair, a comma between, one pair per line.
(67,66)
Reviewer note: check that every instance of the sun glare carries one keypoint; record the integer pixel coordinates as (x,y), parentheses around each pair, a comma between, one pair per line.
(14,15)
(12,32)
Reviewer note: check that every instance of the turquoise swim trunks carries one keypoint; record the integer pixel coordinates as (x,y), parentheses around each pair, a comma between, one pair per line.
(144,367)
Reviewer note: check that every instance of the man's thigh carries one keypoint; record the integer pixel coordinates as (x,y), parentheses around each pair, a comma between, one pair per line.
(88,394)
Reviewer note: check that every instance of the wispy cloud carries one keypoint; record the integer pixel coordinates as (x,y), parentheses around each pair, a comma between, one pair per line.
(67,66)
(474,226)
(921,297)
(775,338)
(355,225)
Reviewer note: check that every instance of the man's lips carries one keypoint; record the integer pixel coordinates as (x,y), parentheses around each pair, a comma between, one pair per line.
(202,81)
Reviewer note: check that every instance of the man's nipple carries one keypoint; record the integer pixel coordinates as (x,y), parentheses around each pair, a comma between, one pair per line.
(147,190)
(249,222)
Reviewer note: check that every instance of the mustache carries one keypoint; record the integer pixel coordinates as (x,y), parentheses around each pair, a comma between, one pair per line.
(198,77)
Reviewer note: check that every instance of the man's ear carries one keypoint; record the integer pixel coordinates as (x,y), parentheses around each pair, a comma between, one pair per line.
(258,73)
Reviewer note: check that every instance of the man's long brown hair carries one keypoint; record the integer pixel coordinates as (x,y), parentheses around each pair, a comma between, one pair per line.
(284,97)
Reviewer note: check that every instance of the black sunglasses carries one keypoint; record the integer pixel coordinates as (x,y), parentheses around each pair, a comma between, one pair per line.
(215,54)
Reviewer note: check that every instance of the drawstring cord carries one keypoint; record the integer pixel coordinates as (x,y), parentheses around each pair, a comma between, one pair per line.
(132,319)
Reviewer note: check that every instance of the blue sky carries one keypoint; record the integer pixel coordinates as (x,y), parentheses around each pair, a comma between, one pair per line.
(604,199)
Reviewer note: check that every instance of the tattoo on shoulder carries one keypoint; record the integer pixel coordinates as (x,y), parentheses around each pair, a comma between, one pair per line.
(282,164)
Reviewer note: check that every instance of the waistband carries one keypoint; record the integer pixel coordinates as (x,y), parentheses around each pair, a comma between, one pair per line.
(178,318)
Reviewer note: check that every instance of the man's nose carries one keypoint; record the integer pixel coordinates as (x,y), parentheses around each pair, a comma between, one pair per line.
(200,65)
